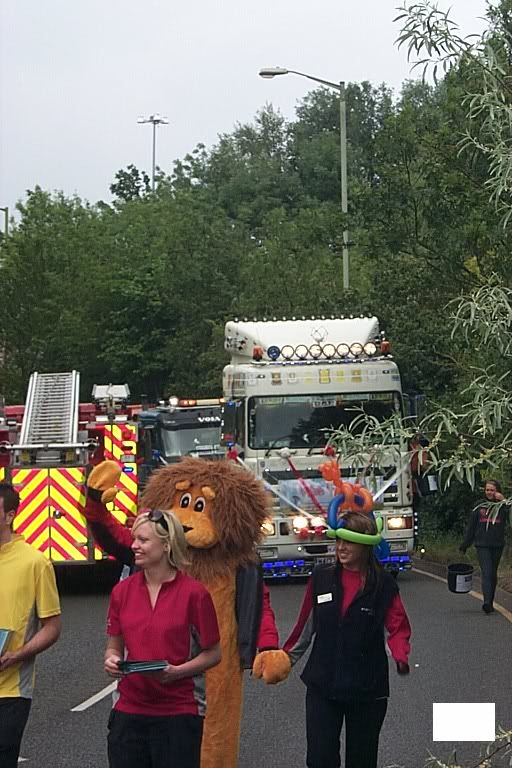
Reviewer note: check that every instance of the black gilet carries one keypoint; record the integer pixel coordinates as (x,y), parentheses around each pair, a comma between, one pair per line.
(348,660)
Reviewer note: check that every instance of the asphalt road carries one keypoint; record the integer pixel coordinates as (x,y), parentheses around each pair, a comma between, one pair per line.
(459,655)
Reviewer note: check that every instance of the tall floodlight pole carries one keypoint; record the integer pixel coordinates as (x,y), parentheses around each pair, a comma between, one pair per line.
(6,219)
(270,72)
(154,120)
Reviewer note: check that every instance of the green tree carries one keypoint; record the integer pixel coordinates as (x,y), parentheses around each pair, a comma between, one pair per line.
(130,184)
(49,281)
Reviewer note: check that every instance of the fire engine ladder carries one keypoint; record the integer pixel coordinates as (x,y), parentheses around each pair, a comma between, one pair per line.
(50,420)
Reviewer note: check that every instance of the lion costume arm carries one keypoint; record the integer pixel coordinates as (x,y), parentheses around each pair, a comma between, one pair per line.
(270,664)
(114,538)
(108,533)
(268,637)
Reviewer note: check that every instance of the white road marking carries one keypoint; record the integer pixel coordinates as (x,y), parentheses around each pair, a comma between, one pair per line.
(94,699)
(22,759)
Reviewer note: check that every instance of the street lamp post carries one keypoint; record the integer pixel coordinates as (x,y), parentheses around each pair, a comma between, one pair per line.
(270,72)
(6,219)
(154,120)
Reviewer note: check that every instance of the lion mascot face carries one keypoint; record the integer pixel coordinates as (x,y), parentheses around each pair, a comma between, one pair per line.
(221,507)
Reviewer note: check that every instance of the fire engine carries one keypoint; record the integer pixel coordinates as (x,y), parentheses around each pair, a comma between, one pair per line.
(288,383)
(180,427)
(47,448)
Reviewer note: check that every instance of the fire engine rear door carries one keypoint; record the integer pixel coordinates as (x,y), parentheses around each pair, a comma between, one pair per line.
(69,539)
(33,518)
(120,445)
(50,515)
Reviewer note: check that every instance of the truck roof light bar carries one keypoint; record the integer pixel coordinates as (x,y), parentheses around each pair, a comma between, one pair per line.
(315,352)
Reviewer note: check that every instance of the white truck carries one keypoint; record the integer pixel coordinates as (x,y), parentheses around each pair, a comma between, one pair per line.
(288,383)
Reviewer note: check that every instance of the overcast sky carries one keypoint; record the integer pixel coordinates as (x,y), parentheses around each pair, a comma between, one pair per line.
(74,76)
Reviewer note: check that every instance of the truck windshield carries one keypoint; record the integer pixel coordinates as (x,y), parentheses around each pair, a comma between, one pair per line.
(299,421)
(191,440)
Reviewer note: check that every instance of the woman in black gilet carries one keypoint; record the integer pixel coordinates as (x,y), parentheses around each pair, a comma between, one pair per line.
(348,608)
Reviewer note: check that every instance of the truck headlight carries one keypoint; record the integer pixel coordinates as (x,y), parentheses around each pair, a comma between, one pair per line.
(299,522)
(318,522)
(399,523)
(268,528)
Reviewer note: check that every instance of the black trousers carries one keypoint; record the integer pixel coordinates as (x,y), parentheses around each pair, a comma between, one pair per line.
(489,560)
(14,714)
(324,721)
(139,741)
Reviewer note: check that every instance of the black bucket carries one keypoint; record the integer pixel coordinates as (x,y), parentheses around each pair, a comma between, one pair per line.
(460,577)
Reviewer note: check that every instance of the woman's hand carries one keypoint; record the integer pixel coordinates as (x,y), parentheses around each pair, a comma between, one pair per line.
(170,674)
(111,666)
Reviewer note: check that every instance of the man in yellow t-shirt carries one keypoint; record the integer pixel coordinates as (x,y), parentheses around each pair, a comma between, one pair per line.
(29,623)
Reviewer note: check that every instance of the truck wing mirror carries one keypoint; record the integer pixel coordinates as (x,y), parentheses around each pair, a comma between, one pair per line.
(228,427)
(146,443)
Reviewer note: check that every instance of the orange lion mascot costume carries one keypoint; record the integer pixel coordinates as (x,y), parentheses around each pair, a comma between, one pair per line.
(221,507)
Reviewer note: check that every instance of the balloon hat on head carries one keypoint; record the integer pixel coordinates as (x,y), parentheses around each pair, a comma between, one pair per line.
(349,498)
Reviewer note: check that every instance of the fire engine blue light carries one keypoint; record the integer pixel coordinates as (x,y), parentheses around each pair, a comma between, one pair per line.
(273,352)
(127,470)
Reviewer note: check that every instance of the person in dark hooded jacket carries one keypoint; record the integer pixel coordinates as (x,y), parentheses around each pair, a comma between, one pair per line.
(486,530)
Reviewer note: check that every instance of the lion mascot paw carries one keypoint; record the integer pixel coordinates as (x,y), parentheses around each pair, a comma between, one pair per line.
(271,666)
(102,481)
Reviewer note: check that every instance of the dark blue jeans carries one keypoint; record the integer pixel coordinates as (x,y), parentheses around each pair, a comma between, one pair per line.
(489,560)
(14,714)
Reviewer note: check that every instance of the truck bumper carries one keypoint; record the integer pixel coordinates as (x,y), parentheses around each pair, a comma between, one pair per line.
(282,569)
(396,563)
(300,568)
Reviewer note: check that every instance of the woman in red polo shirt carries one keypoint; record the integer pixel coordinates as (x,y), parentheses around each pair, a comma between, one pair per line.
(159,613)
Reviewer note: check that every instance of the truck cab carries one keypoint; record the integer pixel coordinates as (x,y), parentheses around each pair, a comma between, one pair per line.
(288,385)
(178,428)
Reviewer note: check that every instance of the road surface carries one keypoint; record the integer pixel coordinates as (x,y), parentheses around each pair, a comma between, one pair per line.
(459,655)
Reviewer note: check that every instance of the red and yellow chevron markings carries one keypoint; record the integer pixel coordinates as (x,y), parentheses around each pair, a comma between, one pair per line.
(33,519)
(50,515)
(120,441)
(69,536)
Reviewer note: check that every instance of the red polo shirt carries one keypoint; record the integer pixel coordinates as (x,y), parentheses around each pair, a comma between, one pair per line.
(181,625)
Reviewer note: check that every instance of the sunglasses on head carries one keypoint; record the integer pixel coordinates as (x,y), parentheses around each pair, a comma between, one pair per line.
(157,516)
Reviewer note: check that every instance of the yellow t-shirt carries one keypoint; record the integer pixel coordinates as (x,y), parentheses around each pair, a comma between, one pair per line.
(28,592)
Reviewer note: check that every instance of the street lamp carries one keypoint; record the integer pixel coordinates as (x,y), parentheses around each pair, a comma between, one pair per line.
(268,73)
(154,120)
(6,215)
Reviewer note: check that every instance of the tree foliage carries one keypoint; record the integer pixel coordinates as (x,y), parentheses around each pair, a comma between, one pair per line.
(139,289)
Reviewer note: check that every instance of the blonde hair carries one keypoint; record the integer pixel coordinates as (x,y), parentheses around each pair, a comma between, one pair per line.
(173,538)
